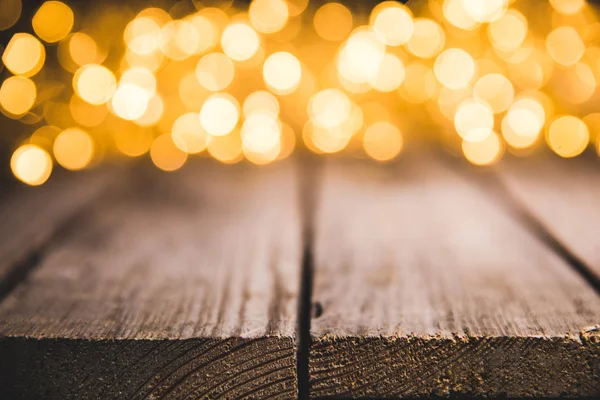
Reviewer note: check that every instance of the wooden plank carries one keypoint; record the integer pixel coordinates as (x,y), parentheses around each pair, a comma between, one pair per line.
(563,196)
(177,285)
(31,216)
(423,286)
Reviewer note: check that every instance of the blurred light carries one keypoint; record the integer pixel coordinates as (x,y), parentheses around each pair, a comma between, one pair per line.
(287,141)
(153,113)
(24,55)
(215,71)
(140,77)
(152,61)
(261,101)
(261,133)
(166,155)
(133,142)
(496,90)
(382,141)
(282,72)
(17,95)
(87,114)
(240,42)
(578,84)
(508,32)
(226,149)
(190,92)
(333,22)
(207,33)
(179,39)
(296,7)
(568,136)
(391,74)
(485,10)
(456,13)
(219,114)
(485,152)
(188,134)
(523,122)
(73,149)
(360,58)
(142,35)
(31,164)
(268,16)
(53,21)
(329,108)
(419,84)
(10,11)
(565,45)
(454,68)
(567,7)
(428,38)
(474,121)
(130,101)
(94,83)
(82,49)
(392,23)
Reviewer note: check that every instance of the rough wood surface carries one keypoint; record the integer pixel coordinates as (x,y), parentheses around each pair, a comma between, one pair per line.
(177,285)
(31,216)
(424,286)
(564,197)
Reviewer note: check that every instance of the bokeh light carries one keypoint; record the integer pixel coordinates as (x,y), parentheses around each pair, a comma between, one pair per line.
(31,164)
(333,22)
(219,114)
(215,71)
(282,72)
(94,83)
(454,68)
(240,42)
(24,55)
(53,21)
(382,141)
(73,149)
(17,95)
(485,152)
(392,23)
(568,136)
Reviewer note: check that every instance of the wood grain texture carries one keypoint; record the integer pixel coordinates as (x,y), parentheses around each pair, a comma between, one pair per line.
(177,285)
(31,216)
(563,195)
(427,287)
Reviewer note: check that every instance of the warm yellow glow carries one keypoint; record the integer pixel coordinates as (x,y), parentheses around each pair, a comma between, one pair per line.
(31,164)
(133,142)
(207,33)
(142,35)
(287,141)
(454,68)
(87,114)
(508,32)
(268,16)
(17,95)
(392,23)
(456,13)
(419,84)
(578,84)
(474,121)
(261,101)
(153,113)
(73,149)
(382,141)
(485,10)
(188,134)
(360,58)
(261,133)
(333,22)
(565,46)
(329,108)
(226,149)
(152,61)
(296,7)
(523,122)
(140,77)
(428,38)
(567,7)
(94,83)
(568,136)
(53,21)
(390,75)
(495,90)
(324,140)
(215,71)
(485,152)
(282,72)
(219,114)
(239,41)
(10,11)
(82,49)
(166,155)
(130,101)
(179,39)
(24,55)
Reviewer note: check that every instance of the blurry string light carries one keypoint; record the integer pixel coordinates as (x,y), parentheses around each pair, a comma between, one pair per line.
(254,83)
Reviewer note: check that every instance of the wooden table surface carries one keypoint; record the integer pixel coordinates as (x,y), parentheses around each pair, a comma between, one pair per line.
(310,278)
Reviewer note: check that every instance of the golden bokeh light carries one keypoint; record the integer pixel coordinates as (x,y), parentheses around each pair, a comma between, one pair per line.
(53,21)
(10,11)
(523,122)
(261,134)
(568,136)
(333,22)
(142,35)
(140,77)
(240,42)
(130,101)
(87,114)
(17,95)
(454,68)
(391,74)
(485,11)
(474,120)
(154,112)
(392,23)
(261,101)
(219,114)
(73,149)
(268,16)
(179,39)
(456,13)
(567,7)
(227,148)
(329,108)
(133,142)
(485,152)
(282,72)
(382,141)
(419,84)
(82,49)
(495,90)
(188,134)
(24,55)
(207,33)
(565,46)
(508,33)
(361,56)
(166,155)
(215,71)
(31,164)
(428,38)
(94,83)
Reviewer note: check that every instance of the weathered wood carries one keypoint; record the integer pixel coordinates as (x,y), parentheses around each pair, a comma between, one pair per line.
(177,285)
(424,286)
(31,216)
(564,197)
